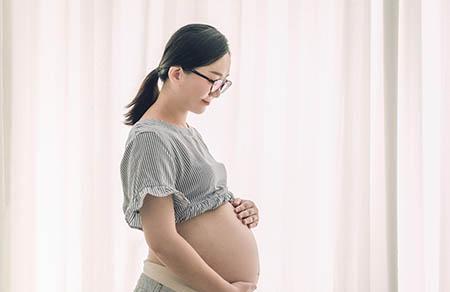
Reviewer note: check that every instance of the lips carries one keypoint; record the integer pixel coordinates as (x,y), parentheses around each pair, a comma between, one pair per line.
(205,102)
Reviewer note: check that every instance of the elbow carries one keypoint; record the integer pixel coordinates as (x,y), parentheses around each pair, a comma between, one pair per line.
(163,243)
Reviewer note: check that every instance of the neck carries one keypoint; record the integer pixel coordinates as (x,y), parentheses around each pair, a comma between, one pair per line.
(166,108)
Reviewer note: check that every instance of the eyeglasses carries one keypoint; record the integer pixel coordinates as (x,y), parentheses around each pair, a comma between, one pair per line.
(216,85)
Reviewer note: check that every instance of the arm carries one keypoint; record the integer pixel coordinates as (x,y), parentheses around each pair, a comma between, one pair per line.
(158,223)
(179,256)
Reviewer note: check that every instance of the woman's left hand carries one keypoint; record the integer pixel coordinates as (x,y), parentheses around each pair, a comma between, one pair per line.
(246,211)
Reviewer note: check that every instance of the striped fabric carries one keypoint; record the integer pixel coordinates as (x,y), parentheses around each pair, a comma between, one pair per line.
(163,159)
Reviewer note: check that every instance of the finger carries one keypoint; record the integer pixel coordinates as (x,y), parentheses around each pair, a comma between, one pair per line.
(246,213)
(244,205)
(253,224)
(249,219)
(236,201)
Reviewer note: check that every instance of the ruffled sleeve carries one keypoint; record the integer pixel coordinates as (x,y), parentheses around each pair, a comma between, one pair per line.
(148,167)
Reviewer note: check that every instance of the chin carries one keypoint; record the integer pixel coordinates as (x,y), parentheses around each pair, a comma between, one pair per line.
(198,110)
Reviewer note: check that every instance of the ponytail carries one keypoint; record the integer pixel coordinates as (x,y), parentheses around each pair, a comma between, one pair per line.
(146,96)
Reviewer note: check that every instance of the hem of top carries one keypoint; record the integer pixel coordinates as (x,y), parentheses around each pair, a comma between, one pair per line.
(210,203)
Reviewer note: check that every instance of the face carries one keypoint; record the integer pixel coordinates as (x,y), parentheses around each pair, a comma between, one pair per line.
(194,89)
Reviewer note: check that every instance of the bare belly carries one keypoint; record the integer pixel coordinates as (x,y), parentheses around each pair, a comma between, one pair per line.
(224,243)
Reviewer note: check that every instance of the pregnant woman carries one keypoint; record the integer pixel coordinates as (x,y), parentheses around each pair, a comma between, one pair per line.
(199,235)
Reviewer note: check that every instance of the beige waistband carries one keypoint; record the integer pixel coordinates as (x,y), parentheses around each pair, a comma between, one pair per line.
(166,277)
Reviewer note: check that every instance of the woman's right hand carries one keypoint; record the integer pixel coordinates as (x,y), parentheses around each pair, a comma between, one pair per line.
(241,286)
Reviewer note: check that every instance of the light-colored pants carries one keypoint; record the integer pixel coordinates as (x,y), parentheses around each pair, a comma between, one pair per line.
(158,278)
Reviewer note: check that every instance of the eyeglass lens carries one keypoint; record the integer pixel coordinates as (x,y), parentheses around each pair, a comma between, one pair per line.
(220,85)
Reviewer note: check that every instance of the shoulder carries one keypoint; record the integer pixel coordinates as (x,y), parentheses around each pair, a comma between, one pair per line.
(156,138)
(151,141)
(149,133)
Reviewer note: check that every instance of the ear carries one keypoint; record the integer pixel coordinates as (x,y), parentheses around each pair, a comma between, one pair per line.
(175,74)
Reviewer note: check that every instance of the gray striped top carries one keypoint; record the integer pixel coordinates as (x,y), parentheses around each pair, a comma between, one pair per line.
(163,159)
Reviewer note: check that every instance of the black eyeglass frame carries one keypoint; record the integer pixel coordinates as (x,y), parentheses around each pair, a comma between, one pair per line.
(226,82)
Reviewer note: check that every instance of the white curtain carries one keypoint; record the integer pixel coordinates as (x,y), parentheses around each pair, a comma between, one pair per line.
(337,126)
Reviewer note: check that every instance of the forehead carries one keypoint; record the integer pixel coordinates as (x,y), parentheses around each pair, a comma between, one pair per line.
(221,66)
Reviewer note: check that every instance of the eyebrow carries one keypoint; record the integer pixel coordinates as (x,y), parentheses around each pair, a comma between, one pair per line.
(220,74)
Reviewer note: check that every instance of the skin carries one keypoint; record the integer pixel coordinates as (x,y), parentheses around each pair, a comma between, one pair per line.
(183,92)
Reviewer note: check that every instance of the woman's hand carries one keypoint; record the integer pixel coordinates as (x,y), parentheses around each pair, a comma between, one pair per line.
(242,286)
(247,211)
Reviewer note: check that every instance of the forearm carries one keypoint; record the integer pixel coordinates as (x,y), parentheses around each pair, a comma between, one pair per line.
(183,260)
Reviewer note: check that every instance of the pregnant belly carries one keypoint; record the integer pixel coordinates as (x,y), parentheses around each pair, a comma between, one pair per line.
(226,244)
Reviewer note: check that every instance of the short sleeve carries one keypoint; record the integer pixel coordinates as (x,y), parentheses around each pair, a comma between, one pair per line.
(147,167)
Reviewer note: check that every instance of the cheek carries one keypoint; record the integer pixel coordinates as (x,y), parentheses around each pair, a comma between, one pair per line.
(196,91)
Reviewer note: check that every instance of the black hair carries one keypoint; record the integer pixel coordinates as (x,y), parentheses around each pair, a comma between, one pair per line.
(193,45)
